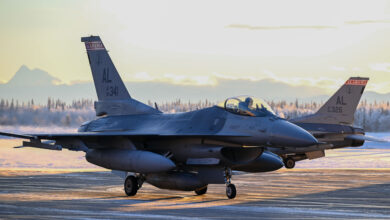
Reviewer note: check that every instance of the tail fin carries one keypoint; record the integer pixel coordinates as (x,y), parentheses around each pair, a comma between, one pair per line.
(108,83)
(341,107)
(113,97)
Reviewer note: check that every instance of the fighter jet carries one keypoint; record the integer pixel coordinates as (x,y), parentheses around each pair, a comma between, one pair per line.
(183,151)
(332,125)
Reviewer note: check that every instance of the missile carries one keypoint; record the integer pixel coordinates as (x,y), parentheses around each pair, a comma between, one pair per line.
(39,144)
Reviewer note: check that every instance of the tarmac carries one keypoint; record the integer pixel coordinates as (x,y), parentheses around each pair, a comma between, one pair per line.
(284,194)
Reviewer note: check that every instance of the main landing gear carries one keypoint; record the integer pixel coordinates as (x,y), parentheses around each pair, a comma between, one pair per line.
(231,191)
(133,184)
(289,163)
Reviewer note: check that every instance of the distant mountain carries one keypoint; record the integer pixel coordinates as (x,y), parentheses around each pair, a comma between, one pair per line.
(36,77)
(37,84)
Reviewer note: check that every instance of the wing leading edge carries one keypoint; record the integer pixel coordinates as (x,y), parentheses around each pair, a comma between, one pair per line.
(116,134)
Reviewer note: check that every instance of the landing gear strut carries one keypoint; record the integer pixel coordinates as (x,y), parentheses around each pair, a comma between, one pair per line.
(289,163)
(132,185)
(231,191)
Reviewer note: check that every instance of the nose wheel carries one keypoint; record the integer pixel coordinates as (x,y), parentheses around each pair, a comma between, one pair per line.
(289,163)
(231,191)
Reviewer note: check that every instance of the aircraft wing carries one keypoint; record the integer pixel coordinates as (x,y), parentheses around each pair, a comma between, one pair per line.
(75,141)
(55,136)
(16,135)
(364,138)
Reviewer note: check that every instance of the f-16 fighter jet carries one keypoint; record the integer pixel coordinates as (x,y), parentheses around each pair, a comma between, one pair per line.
(332,125)
(184,151)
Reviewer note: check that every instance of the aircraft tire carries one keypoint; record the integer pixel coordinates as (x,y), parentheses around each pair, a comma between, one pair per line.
(289,163)
(131,186)
(201,190)
(231,191)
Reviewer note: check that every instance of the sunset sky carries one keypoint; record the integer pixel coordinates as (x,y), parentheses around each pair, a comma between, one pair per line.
(197,42)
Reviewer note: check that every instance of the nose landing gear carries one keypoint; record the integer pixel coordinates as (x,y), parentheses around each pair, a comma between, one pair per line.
(231,191)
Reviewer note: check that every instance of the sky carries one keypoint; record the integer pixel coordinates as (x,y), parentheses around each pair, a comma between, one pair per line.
(316,43)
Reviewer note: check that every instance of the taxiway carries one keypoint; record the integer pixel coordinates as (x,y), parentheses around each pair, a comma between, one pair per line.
(292,194)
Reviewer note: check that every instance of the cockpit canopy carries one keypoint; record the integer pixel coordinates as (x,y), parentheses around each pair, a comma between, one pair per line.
(248,106)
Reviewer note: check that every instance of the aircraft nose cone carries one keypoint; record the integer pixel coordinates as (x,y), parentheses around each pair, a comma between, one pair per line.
(284,133)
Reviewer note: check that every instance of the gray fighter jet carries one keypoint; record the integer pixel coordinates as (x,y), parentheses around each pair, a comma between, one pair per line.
(332,125)
(184,151)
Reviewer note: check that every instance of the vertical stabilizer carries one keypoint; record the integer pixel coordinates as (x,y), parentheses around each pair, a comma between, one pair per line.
(108,83)
(341,107)
(113,97)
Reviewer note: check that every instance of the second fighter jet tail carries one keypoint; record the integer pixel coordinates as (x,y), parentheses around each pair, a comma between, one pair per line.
(341,107)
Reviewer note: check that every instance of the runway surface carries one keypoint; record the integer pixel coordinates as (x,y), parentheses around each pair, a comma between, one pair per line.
(292,194)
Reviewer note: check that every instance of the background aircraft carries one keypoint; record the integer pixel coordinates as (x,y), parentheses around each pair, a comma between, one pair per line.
(332,125)
(184,151)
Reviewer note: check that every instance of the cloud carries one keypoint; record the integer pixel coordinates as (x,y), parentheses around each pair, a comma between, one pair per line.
(383,67)
(194,80)
(218,80)
(282,27)
(337,68)
(143,76)
(73,82)
(215,79)
(356,69)
(327,84)
(308,27)
(174,79)
(367,22)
